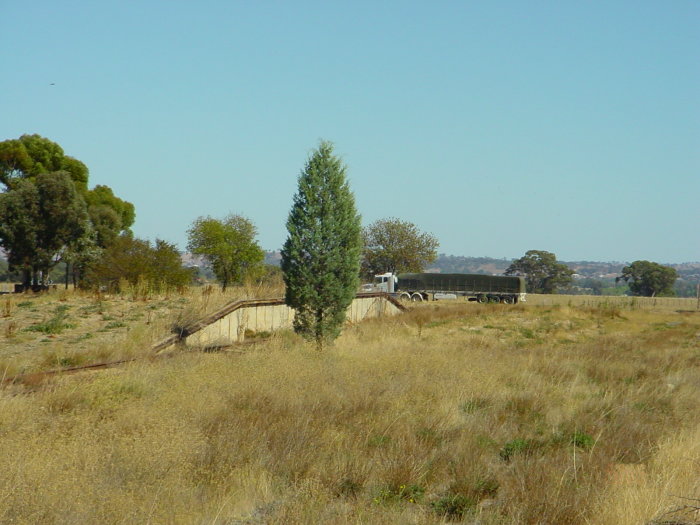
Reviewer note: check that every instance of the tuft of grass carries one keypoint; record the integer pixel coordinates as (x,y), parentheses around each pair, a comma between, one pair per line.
(114,324)
(10,329)
(8,306)
(474,405)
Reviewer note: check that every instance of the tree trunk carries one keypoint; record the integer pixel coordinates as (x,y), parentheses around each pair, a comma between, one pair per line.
(26,279)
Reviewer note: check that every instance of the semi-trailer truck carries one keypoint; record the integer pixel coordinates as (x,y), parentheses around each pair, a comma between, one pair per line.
(474,287)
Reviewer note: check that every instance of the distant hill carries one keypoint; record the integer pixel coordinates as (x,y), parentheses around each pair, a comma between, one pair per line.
(459,264)
(490,266)
(487,265)
(599,270)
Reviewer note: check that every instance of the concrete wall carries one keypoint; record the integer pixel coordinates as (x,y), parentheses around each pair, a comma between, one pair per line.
(231,327)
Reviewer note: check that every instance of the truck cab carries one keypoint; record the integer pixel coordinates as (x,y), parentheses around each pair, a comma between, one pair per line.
(385,282)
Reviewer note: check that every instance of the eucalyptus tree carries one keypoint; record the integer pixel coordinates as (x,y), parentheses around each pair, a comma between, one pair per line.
(542,272)
(649,279)
(45,193)
(394,245)
(39,221)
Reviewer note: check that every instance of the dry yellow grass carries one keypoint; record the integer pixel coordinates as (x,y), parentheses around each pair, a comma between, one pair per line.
(68,328)
(451,412)
(628,303)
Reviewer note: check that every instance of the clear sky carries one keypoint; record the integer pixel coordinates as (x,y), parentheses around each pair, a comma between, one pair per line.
(504,126)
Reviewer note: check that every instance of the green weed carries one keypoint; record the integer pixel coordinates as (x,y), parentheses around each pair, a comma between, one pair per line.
(453,506)
(55,325)
(516,447)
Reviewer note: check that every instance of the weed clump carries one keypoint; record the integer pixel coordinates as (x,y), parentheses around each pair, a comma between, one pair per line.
(582,440)
(411,493)
(453,506)
(518,446)
(56,324)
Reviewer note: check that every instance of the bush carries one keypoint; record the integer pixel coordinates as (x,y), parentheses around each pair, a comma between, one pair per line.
(453,506)
(582,440)
(137,263)
(55,325)
(515,447)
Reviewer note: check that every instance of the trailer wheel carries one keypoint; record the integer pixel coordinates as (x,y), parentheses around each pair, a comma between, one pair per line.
(508,299)
(495,299)
(482,299)
(417,298)
(404,297)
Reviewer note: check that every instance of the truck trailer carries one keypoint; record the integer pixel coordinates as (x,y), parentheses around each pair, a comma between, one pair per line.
(473,287)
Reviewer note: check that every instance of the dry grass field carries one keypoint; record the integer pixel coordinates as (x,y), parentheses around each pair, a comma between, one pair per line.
(569,413)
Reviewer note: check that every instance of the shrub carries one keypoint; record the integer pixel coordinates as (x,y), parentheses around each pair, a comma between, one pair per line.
(582,440)
(515,447)
(136,263)
(55,325)
(411,493)
(453,506)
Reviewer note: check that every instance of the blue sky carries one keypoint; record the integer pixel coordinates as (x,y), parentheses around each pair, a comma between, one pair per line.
(571,127)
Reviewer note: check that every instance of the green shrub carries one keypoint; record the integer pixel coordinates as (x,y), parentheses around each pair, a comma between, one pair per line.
(55,325)
(453,506)
(582,440)
(515,447)
(391,494)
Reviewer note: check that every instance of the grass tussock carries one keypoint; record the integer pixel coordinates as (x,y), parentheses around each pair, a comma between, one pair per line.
(449,413)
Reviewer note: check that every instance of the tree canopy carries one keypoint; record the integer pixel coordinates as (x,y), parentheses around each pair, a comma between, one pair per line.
(229,245)
(39,220)
(542,272)
(109,214)
(31,155)
(393,245)
(321,256)
(649,279)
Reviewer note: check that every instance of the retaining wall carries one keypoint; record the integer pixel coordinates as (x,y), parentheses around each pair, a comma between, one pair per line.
(229,325)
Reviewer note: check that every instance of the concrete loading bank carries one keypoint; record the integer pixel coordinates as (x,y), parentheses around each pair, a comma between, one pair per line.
(230,324)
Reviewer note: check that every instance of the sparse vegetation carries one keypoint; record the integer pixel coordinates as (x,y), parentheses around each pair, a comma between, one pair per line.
(591,420)
(55,325)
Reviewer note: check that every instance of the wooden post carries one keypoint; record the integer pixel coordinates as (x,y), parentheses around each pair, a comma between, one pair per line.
(698,294)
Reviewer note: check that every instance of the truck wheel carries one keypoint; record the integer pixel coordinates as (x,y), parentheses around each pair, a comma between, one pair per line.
(417,298)
(495,299)
(508,299)
(482,299)
(404,297)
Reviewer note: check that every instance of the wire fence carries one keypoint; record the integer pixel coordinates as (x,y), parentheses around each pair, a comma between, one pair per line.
(623,302)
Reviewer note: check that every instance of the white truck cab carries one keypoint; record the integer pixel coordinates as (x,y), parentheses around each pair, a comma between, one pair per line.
(385,282)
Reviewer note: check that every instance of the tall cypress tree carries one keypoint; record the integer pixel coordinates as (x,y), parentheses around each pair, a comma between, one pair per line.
(321,256)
